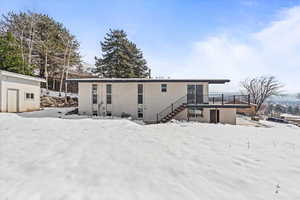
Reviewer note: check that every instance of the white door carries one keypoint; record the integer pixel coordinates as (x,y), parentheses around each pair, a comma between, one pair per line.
(12,100)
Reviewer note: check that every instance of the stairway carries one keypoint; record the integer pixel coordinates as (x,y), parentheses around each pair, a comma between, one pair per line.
(173,113)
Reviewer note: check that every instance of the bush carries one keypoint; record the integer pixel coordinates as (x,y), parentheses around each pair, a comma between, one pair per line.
(125,115)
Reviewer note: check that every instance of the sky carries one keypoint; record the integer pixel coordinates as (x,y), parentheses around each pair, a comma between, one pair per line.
(232,39)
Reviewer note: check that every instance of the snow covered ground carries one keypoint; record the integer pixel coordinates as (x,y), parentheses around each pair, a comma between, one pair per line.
(51,158)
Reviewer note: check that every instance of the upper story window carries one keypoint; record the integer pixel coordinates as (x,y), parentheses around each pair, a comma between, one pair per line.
(163,87)
(108,94)
(94,93)
(140,93)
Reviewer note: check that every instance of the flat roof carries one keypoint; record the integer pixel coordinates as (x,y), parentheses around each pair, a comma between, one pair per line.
(133,80)
(22,76)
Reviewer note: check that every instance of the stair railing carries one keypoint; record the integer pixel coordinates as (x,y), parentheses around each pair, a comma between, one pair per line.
(212,99)
(169,109)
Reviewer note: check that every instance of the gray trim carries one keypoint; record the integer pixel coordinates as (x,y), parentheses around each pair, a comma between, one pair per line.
(212,81)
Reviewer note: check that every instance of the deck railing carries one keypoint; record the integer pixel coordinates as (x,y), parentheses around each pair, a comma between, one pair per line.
(211,99)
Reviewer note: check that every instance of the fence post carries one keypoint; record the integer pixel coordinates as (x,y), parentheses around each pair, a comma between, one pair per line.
(233,99)
(157,117)
(172,107)
(213,100)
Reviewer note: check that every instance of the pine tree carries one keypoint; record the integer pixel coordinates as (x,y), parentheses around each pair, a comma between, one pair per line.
(121,58)
(10,56)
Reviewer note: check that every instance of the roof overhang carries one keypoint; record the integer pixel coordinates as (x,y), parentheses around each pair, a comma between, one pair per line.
(21,76)
(135,80)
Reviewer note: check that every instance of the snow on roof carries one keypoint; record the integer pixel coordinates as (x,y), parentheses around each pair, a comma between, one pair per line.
(22,76)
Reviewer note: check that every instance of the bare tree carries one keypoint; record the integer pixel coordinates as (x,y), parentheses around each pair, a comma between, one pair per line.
(261,88)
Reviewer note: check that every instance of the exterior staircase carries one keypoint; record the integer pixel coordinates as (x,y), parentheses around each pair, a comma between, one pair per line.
(172,110)
(173,113)
(180,104)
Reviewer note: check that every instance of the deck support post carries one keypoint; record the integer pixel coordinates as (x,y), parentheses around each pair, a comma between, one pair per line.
(222,99)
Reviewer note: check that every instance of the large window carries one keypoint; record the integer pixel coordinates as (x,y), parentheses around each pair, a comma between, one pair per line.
(140,94)
(108,94)
(195,112)
(163,87)
(94,93)
(195,94)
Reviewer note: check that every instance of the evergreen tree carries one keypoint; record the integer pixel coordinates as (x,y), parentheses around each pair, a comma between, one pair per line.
(290,110)
(44,43)
(296,110)
(121,58)
(10,56)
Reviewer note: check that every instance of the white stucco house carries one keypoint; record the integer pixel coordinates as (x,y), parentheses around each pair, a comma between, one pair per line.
(158,100)
(19,93)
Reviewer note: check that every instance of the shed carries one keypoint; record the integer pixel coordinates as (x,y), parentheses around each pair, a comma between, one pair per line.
(18,92)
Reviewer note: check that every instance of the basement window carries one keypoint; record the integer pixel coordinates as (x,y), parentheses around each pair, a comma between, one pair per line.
(163,87)
(108,113)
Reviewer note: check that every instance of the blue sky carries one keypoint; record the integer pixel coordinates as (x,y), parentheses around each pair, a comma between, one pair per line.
(190,39)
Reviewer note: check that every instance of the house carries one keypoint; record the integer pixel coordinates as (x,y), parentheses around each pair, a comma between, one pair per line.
(158,100)
(19,93)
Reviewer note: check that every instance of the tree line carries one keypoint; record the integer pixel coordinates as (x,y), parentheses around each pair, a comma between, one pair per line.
(36,44)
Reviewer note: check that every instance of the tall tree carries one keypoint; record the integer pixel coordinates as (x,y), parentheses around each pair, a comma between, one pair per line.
(261,88)
(44,43)
(10,56)
(120,58)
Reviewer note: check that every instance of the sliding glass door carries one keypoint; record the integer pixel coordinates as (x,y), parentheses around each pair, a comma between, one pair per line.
(195,94)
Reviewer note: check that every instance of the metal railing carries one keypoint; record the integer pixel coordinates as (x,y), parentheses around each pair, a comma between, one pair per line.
(211,99)
(171,108)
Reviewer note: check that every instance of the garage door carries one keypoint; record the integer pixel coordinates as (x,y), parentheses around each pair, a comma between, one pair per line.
(12,100)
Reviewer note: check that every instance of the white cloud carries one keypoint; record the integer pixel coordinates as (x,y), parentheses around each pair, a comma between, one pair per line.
(274,50)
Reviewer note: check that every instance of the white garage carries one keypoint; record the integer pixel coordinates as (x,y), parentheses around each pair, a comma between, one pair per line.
(19,93)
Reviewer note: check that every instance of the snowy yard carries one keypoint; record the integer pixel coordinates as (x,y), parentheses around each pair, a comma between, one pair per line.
(47,158)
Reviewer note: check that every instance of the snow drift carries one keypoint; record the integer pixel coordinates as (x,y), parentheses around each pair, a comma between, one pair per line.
(51,158)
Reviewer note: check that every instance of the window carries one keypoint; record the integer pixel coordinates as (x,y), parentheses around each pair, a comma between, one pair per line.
(108,113)
(108,94)
(140,101)
(195,112)
(94,93)
(140,112)
(140,94)
(29,96)
(163,87)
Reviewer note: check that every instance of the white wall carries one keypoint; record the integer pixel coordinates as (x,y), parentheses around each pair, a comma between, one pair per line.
(228,115)
(23,86)
(124,97)
(85,98)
